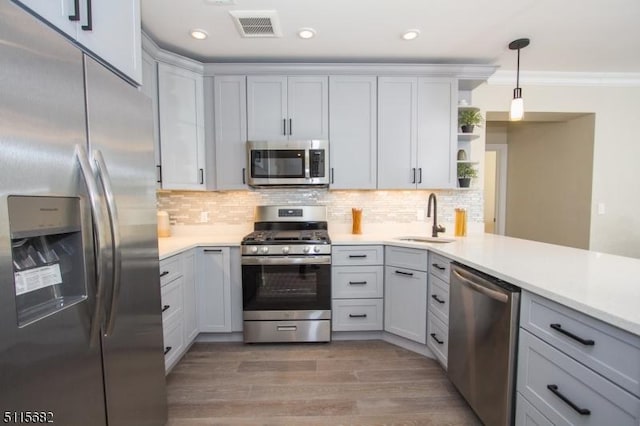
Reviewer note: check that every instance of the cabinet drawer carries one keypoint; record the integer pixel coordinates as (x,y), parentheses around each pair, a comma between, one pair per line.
(173,343)
(170,269)
(614,353)
(357,255)
(406,258)
(357,315)
(438,339)
(353,282)
(439,298)
(171,296)
(439,266)
(561,388)
(527,414)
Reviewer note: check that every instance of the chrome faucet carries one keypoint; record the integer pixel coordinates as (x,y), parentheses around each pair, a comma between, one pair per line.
(436,228)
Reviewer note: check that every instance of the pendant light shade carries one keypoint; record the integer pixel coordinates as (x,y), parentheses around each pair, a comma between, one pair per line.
(516,112)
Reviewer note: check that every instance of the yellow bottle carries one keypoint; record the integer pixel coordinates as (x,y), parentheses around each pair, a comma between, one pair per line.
(461,223)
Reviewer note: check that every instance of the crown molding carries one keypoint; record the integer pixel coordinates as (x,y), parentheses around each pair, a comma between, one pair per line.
(558,78)
(152,49)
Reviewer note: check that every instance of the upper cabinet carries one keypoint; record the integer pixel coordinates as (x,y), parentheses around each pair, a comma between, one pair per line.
(182,145)
(281,107)
(353,117)
(108,29)
(416,132)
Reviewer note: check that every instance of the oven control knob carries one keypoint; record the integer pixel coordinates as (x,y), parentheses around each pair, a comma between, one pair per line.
(285,249)
(254,250)
(316,249)
(306,249)
(265,250)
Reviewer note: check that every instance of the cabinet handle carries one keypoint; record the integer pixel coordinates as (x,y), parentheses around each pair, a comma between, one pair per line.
(413,171)
(287,328)
(556,392)
(201,171)
(437,299)
(284,126)
(409,274)
(164,274)
(558,328)
(167,349)
(244,173)
(438,341)
(332,177)
(290,126)
(420,175)
(357,315)
(159,179)
(212,250)
(438,267)
(89,25)
(76,11)
(357,283)
(165,307)
(357,256)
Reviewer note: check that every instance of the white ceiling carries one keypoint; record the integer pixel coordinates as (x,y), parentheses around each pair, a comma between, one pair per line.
(566,35)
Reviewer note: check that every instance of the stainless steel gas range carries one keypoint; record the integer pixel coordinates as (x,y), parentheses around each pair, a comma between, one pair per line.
(286,276)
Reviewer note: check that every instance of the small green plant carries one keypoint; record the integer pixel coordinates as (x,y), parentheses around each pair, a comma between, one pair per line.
(467,170)
(469,117)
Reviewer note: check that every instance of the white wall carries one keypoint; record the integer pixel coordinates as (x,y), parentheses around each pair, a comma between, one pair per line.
(616,152)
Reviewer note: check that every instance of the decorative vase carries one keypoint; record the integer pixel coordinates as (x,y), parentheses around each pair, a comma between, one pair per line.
(464,182)
(462,155)
(467,128)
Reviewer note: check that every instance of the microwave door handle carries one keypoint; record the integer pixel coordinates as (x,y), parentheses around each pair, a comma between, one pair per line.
(307,158)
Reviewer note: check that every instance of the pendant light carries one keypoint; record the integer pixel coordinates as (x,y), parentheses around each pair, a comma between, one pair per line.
(517,106)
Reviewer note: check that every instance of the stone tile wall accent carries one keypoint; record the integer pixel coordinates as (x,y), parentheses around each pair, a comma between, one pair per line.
(236,207)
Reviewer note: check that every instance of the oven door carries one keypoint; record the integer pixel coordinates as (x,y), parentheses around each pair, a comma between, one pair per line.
(286,287)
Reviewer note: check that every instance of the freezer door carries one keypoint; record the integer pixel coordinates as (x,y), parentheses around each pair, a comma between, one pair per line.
(120,126)
(46,361)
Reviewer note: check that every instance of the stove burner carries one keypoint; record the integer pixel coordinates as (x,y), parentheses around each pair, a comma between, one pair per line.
(288,237)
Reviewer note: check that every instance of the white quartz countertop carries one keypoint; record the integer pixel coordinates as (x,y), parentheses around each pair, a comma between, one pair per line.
(604,286)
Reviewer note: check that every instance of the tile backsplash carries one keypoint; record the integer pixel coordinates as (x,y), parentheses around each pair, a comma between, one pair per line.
(236,207)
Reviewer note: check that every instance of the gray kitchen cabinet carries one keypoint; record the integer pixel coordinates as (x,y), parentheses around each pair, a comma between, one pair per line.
(230,115)
(438,307)
(235,258)
(574,369)
(213,284)
(353,131)
(287,107)
(150,88)
(528,415)
(120,49)
(405,293)
(172,294)
(189,299)
(416,132)
(182,143)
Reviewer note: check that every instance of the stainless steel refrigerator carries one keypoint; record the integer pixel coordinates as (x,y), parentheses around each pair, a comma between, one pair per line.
(80,317)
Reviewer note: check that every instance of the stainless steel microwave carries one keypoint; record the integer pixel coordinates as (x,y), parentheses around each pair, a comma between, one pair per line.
(283,163)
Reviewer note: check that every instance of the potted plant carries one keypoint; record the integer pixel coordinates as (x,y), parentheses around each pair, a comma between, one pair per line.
(468,118)
(466,171)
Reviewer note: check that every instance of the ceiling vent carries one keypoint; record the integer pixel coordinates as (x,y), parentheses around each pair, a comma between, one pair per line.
(257,23)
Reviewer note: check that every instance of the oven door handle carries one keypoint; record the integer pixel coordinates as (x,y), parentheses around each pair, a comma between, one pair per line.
(286,260)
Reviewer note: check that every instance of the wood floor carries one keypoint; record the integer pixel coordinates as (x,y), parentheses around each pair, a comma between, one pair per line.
(339,383)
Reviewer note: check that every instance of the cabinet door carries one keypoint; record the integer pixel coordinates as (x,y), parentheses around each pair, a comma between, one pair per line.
(230,112)
(267,108)
(437,118)
(237,320)
(214,290)
(308,107)
(190,313)
(181,103)
(353,116)
(150,88)
(397,115)
(405,300)
(56,12)
(115,35)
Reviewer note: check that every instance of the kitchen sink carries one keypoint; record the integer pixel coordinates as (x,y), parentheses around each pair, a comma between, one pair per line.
(426,239)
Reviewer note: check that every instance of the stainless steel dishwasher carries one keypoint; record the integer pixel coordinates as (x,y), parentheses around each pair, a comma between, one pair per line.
(483,331)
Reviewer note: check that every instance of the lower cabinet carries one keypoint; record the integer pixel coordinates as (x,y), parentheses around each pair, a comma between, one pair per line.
(357,315)
(438,307)
(213,289)
(405,293)
(190,314)
(172,299)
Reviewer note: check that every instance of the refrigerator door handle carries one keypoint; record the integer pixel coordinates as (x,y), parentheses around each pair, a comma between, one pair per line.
(100,234)
(105,179)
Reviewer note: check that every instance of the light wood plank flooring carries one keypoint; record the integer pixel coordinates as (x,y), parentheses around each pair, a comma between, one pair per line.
(339,383)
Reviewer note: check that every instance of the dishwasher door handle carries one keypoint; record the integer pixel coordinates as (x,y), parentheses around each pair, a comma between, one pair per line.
(495,295)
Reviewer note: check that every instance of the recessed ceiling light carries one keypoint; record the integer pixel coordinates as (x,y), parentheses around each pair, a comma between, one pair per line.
(411,34)
(199,34)
(306,33)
